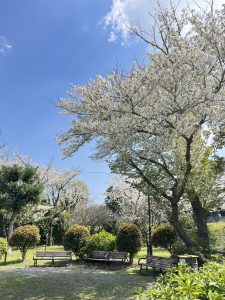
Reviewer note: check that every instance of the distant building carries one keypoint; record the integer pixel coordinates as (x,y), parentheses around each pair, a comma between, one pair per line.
(217,216)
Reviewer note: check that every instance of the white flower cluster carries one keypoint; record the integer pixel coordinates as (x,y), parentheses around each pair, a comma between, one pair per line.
(168,104)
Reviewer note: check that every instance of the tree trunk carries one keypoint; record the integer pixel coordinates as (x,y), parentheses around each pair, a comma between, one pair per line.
(131,258)
(24,251)
(50,237)
(11,225)
(200,221)
(149,247)
(2,227)
(178,226)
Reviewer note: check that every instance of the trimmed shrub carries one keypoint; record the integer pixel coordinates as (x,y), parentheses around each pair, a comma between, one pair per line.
(3,247)
(129,239)
(76,238)
(164,236)
(25,237)
(103,241)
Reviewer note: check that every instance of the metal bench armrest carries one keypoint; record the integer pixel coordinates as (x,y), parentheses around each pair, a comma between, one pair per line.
(141,259)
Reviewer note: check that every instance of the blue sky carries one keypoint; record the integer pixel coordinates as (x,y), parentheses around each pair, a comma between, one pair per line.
(44,46)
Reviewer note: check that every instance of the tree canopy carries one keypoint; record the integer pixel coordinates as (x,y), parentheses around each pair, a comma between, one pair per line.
(141,119)
(19,186)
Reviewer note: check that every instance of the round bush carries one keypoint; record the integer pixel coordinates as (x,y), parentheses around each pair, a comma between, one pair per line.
(180,248)
(3,247)
(129,239)
(103,241)
(76,238)
(25,237)
(164,236)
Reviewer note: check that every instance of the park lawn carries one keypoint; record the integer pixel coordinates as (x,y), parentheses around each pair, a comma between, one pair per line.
(78,282)
(217,234)
(156,252)
(22,281)
(14,259)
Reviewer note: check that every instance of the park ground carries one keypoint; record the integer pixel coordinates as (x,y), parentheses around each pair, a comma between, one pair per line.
(22,281)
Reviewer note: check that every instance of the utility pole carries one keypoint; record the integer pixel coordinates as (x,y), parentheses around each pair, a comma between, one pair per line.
(149,246)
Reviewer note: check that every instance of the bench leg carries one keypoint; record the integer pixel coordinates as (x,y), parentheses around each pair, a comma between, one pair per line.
(53,261)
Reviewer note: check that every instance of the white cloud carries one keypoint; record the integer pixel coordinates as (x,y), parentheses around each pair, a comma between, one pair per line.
(123,12)
(5,47)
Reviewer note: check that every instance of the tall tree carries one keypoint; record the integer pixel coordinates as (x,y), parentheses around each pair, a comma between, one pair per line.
(19,186)
(62,194)
(141,118)
(95,217)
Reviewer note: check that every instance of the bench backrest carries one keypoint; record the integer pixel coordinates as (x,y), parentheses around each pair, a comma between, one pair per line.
(162,261)
(54,254)
(63,253)
(100,254)
(118,255)
(44,254)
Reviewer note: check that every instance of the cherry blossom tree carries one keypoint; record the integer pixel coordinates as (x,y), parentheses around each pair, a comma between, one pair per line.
(96,217)
(63,193)
(126,201)
(131,203)
(140,119)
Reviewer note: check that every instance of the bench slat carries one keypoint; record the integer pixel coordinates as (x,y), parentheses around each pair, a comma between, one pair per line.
(100,254)
(52,255)
(158,262)
(108,256)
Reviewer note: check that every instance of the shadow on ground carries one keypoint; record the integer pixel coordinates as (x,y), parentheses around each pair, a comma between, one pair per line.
(71,282)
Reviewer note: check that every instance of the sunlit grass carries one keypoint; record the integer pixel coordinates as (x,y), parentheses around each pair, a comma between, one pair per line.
(156,252)
(14,258)
(78,282)
(217,234)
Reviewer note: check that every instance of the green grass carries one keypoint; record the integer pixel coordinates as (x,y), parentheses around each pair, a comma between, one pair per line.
(156,252)
(14,259)
(217,228)
(22,281)
(217,233)
(76,282)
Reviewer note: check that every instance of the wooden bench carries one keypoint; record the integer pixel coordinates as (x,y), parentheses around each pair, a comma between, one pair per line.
(157,262)
(123,256)
(52,255)
(107,256)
